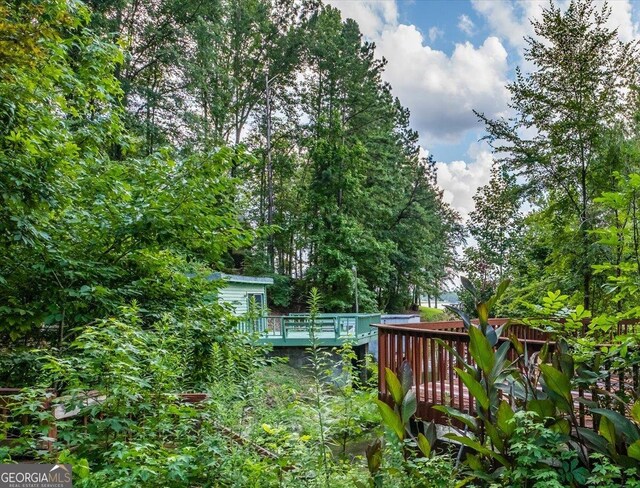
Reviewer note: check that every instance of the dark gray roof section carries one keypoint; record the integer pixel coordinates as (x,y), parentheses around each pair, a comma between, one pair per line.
(255,280)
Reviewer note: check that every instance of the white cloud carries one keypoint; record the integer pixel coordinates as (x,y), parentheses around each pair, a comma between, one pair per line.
(442,91)
(459,180)
(466,25)
(622,19)
(434,33)
(510,20)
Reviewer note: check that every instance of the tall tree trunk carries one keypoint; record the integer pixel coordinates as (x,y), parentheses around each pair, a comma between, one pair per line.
(584,230)
(270,250)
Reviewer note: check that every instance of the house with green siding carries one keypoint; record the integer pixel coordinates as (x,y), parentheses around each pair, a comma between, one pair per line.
(239,290)
(291,333)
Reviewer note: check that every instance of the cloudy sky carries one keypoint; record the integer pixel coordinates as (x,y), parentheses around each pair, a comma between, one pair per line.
(449,57)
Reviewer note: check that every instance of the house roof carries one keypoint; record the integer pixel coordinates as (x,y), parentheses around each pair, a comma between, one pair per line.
(255,280)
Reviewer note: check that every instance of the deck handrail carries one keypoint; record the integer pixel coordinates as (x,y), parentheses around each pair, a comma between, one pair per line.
(435,380)
(333,329)
(462,335)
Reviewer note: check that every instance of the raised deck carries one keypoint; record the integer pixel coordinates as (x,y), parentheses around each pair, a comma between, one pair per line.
(435,380)
(331,330)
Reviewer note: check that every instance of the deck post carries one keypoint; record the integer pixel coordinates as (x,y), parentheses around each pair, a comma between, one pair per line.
(361,355)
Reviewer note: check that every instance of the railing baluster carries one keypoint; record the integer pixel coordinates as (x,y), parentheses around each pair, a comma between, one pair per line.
(460,351)
(382,359)
(607,383)
(418,371)
(621,390)
(433,368)
(416,359)
(425,364)
(412,358)
(581,415)
(471,407)
(450,371)
(442,373)
(392,349)
(409,351)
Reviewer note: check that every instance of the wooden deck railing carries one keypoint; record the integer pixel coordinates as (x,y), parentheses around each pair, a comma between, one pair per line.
(436,382)
(57,409)
(10,432)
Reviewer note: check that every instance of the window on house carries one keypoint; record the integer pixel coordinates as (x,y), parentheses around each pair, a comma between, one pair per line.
(258,297)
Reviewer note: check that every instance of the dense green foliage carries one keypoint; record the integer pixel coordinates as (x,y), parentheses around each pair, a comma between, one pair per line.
(132,429)
(361,151)
(115,186)
(144,145)
(131,168)
(428,314)
(84,234)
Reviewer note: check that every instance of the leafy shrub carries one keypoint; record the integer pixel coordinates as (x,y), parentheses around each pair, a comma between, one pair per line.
(541,457)
(123,379)
(428,314)
(280,292)
(407,459)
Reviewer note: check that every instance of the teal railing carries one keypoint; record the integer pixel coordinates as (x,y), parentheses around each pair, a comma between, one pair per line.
(330,329)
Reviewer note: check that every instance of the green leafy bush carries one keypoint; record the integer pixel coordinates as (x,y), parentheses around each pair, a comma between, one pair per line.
(428,314)
(407,459)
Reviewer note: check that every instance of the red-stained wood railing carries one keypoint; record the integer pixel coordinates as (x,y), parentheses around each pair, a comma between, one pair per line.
(435,379)
(9,400)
